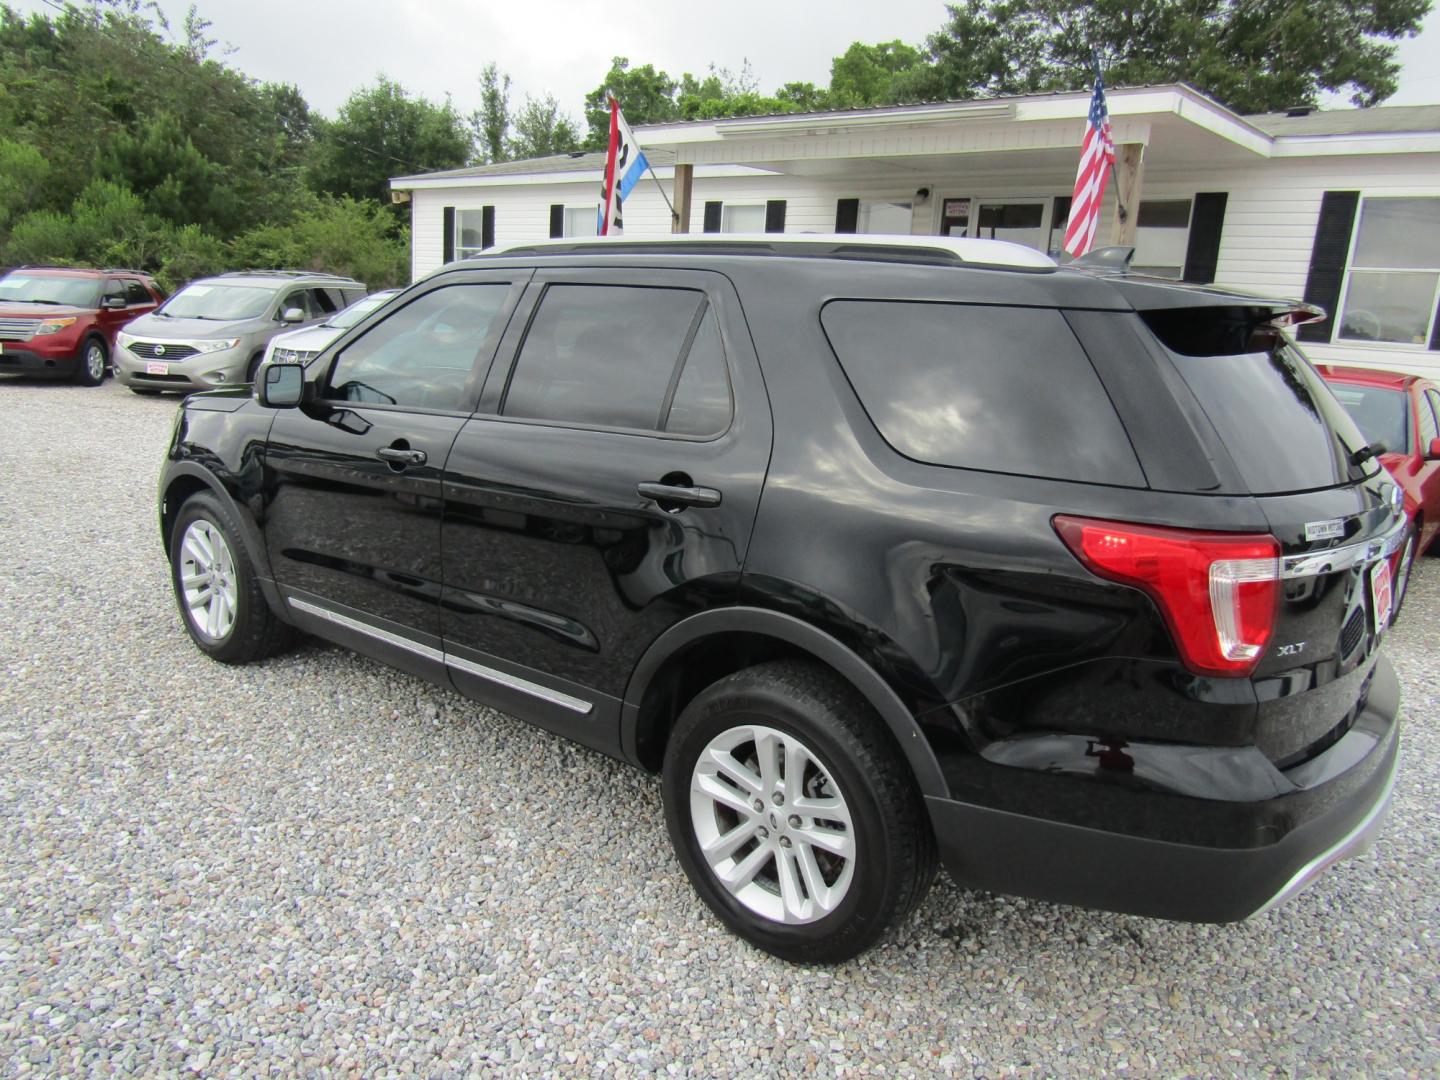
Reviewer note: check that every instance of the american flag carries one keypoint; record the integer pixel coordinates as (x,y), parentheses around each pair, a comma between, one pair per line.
(1097,156)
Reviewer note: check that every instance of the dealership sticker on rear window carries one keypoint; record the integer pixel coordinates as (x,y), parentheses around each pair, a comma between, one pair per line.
(1380,596)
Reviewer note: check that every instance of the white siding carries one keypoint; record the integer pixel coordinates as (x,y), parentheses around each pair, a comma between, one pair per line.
(1269,228)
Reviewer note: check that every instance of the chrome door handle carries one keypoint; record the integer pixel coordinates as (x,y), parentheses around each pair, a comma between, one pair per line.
(677,494)
(396,456)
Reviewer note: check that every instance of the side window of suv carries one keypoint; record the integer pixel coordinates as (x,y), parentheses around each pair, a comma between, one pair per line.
(135,293)
(1003,389)
(115,289)
(422,355)
(614,356)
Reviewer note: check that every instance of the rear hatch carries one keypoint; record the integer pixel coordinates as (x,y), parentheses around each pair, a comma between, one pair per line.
(1278,434)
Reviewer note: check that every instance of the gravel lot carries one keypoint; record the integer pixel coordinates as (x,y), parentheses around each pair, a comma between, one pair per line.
(319,864)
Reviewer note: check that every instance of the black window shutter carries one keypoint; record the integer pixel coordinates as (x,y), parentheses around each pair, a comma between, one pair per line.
(712,216)
(449,228)
(487,227)
(1327,260)
(775,215)
(1202,252)
(557,220)
(847,215)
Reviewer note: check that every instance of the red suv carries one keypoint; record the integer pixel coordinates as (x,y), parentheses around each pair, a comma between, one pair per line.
(61,321)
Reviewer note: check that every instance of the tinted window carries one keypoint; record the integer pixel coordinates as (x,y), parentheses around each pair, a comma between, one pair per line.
(1279,421)
(996,388)
(701,405)
(421,355)
(1382,415)
(115,287)
(601,355)
(135,293)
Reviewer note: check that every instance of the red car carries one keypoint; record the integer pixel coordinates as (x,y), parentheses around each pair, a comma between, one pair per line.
(1402,412)
(61,321)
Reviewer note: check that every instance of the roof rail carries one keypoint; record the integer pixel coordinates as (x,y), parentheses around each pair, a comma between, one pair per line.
(56,266)
(932,250)
(263,272)
(125,270)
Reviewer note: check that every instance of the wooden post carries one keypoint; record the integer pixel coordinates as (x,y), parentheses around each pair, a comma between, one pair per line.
(1129,171)
(684,182)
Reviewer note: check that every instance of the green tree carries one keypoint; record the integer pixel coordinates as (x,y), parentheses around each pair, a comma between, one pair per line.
(541,129)
(646,95)
(805,97)
(24,173)
(491,122)
(882,74)
(338,234)
(178,183)
(1253,55)
(382,131)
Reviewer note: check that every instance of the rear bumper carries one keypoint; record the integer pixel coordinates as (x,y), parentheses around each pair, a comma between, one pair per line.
(1190,857)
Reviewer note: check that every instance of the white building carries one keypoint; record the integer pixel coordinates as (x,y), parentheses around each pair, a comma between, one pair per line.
(1341,208)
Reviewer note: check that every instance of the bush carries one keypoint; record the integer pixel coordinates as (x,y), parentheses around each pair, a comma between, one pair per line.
(340,235)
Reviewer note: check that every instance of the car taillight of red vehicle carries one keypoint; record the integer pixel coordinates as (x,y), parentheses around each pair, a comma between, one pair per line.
(1219,593)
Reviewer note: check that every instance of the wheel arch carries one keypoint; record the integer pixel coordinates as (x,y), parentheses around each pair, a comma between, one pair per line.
(183,480)
(711,644)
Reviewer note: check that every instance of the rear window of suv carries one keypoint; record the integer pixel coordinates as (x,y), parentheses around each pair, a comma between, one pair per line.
(1002,389)
(1278,419)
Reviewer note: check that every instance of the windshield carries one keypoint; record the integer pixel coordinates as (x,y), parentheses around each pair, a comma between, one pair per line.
(51,289)
(358,310)
(226,303)
(1382,415)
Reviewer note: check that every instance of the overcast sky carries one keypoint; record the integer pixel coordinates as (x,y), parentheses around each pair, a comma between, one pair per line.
(563,47)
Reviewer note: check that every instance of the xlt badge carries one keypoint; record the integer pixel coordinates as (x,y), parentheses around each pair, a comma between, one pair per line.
(1324,530)
(1290,650)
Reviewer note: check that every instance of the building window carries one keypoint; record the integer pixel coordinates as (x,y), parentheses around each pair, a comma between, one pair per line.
(1392,286)
(1162,232)
(474,231)
(743,219)
(582,220)
(884,217)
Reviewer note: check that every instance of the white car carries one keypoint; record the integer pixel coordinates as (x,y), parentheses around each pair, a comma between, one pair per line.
(303,345)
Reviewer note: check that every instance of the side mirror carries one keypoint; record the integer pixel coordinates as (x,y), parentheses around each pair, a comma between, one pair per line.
(282,386)
(1433,453)
(113,302)
(292,314)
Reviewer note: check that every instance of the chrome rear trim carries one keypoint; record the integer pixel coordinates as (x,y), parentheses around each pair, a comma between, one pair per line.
(1333,560)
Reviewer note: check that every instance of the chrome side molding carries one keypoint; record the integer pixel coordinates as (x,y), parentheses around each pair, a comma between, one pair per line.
(469,667)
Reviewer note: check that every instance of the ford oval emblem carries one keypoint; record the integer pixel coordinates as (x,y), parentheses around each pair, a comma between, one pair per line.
(159,350)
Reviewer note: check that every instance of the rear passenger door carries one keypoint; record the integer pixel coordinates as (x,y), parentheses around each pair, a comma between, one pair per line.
(606,488)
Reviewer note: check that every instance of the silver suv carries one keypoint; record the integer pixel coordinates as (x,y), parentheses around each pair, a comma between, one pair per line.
(213,332)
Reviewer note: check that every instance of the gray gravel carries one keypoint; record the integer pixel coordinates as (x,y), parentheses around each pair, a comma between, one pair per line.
(321,865)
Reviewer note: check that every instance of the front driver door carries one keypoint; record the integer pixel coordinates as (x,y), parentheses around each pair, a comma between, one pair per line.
(353,522)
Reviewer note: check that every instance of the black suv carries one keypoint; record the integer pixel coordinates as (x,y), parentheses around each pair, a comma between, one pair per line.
(875,551)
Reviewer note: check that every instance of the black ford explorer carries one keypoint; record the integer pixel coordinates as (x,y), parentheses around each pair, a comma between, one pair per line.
(876,551)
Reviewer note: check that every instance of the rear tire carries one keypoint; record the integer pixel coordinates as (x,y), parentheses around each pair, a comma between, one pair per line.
(216,587)
(94,361)
(782,781)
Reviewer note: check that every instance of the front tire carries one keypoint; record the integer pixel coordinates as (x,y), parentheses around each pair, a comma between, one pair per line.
(219,595)
(94,360)
(794,815)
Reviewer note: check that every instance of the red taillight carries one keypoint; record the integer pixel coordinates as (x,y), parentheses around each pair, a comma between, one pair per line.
(1218,592)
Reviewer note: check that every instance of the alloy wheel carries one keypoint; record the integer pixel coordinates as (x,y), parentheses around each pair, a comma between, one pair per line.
(772,824)
(207,576)
(94,362)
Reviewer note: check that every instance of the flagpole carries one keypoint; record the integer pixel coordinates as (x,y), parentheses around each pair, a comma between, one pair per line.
(655,176)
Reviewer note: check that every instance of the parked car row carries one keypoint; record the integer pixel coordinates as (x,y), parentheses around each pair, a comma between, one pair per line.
(75,323)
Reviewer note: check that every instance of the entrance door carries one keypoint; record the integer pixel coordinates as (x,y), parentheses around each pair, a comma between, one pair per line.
(1018,222)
